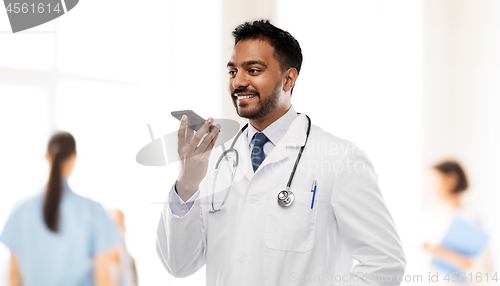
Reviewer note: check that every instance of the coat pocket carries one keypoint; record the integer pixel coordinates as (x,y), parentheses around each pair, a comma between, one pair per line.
(291,228)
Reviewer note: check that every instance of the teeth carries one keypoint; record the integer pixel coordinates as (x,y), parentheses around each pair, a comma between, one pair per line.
(245,96)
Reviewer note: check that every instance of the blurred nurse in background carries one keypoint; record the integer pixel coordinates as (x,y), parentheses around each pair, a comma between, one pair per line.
(455,239)
(59,238)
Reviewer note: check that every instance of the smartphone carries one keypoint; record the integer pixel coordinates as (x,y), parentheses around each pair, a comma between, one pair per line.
(194,120)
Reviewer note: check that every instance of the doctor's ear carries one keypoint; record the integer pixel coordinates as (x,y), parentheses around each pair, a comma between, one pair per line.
(290,76)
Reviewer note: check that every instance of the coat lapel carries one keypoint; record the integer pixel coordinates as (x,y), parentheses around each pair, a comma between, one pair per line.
(294,137)
(244,156)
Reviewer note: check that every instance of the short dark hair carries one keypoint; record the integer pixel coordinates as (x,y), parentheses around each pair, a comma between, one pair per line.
(448,167)
(286,48)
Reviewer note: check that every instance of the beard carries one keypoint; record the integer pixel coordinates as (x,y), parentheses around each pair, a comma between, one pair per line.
(263,108)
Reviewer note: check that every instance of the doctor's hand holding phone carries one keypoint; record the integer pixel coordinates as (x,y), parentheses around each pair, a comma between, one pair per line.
(194,158)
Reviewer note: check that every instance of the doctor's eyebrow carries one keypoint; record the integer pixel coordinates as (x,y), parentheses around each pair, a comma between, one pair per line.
(247,63)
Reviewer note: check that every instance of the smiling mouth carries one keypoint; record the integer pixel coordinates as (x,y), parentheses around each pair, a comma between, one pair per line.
(239,97)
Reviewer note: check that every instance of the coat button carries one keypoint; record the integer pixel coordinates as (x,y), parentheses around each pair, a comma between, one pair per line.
(251,200)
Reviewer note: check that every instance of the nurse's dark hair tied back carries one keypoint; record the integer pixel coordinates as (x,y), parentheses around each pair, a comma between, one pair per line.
(60,147)
(54,149)
(286,48)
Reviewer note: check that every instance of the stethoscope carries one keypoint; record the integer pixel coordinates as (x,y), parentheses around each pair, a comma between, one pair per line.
(285,197)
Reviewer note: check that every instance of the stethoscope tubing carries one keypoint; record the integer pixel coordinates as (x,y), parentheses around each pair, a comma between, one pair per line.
(225,152)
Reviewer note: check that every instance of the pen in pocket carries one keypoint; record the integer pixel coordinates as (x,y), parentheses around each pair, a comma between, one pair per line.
(314,192)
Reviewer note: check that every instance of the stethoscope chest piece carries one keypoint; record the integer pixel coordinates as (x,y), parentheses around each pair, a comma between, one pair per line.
(285,198)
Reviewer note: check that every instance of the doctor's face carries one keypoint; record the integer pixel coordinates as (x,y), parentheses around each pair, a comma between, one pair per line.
(255,80)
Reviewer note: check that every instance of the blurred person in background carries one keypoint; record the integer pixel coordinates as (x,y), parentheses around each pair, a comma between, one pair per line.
(56,237)
(123,268)
(448,209)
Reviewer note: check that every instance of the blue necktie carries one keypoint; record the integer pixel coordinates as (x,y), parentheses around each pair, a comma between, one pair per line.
(258,150)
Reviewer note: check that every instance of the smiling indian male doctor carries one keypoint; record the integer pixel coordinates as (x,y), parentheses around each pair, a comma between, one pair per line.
(253,240)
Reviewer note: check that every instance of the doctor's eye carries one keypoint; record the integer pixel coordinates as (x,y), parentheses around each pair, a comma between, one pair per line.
(253,71)
(232,73)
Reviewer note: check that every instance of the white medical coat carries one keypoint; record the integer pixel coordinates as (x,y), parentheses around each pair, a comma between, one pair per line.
(254,241)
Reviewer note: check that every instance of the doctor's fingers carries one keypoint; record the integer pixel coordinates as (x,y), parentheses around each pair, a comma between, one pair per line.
(211,142)
(197,137)
(185,133)
(181,133)
(206,142)
(189,134)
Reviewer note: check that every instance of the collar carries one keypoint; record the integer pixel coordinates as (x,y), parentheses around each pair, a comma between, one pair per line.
(65,185)
(296,134)
(276,130)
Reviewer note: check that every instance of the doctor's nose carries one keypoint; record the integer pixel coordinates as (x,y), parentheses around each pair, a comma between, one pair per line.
(240,81)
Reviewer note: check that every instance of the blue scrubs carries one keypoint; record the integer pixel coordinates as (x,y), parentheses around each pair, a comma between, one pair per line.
(62,258)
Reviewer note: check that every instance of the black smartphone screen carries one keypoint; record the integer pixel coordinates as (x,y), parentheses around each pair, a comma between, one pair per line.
(194,120)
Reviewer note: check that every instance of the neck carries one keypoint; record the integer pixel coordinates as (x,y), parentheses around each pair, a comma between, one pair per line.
(262,123)
(454,202)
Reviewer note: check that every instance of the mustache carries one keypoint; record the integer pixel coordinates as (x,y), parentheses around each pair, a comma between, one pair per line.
(244,90)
